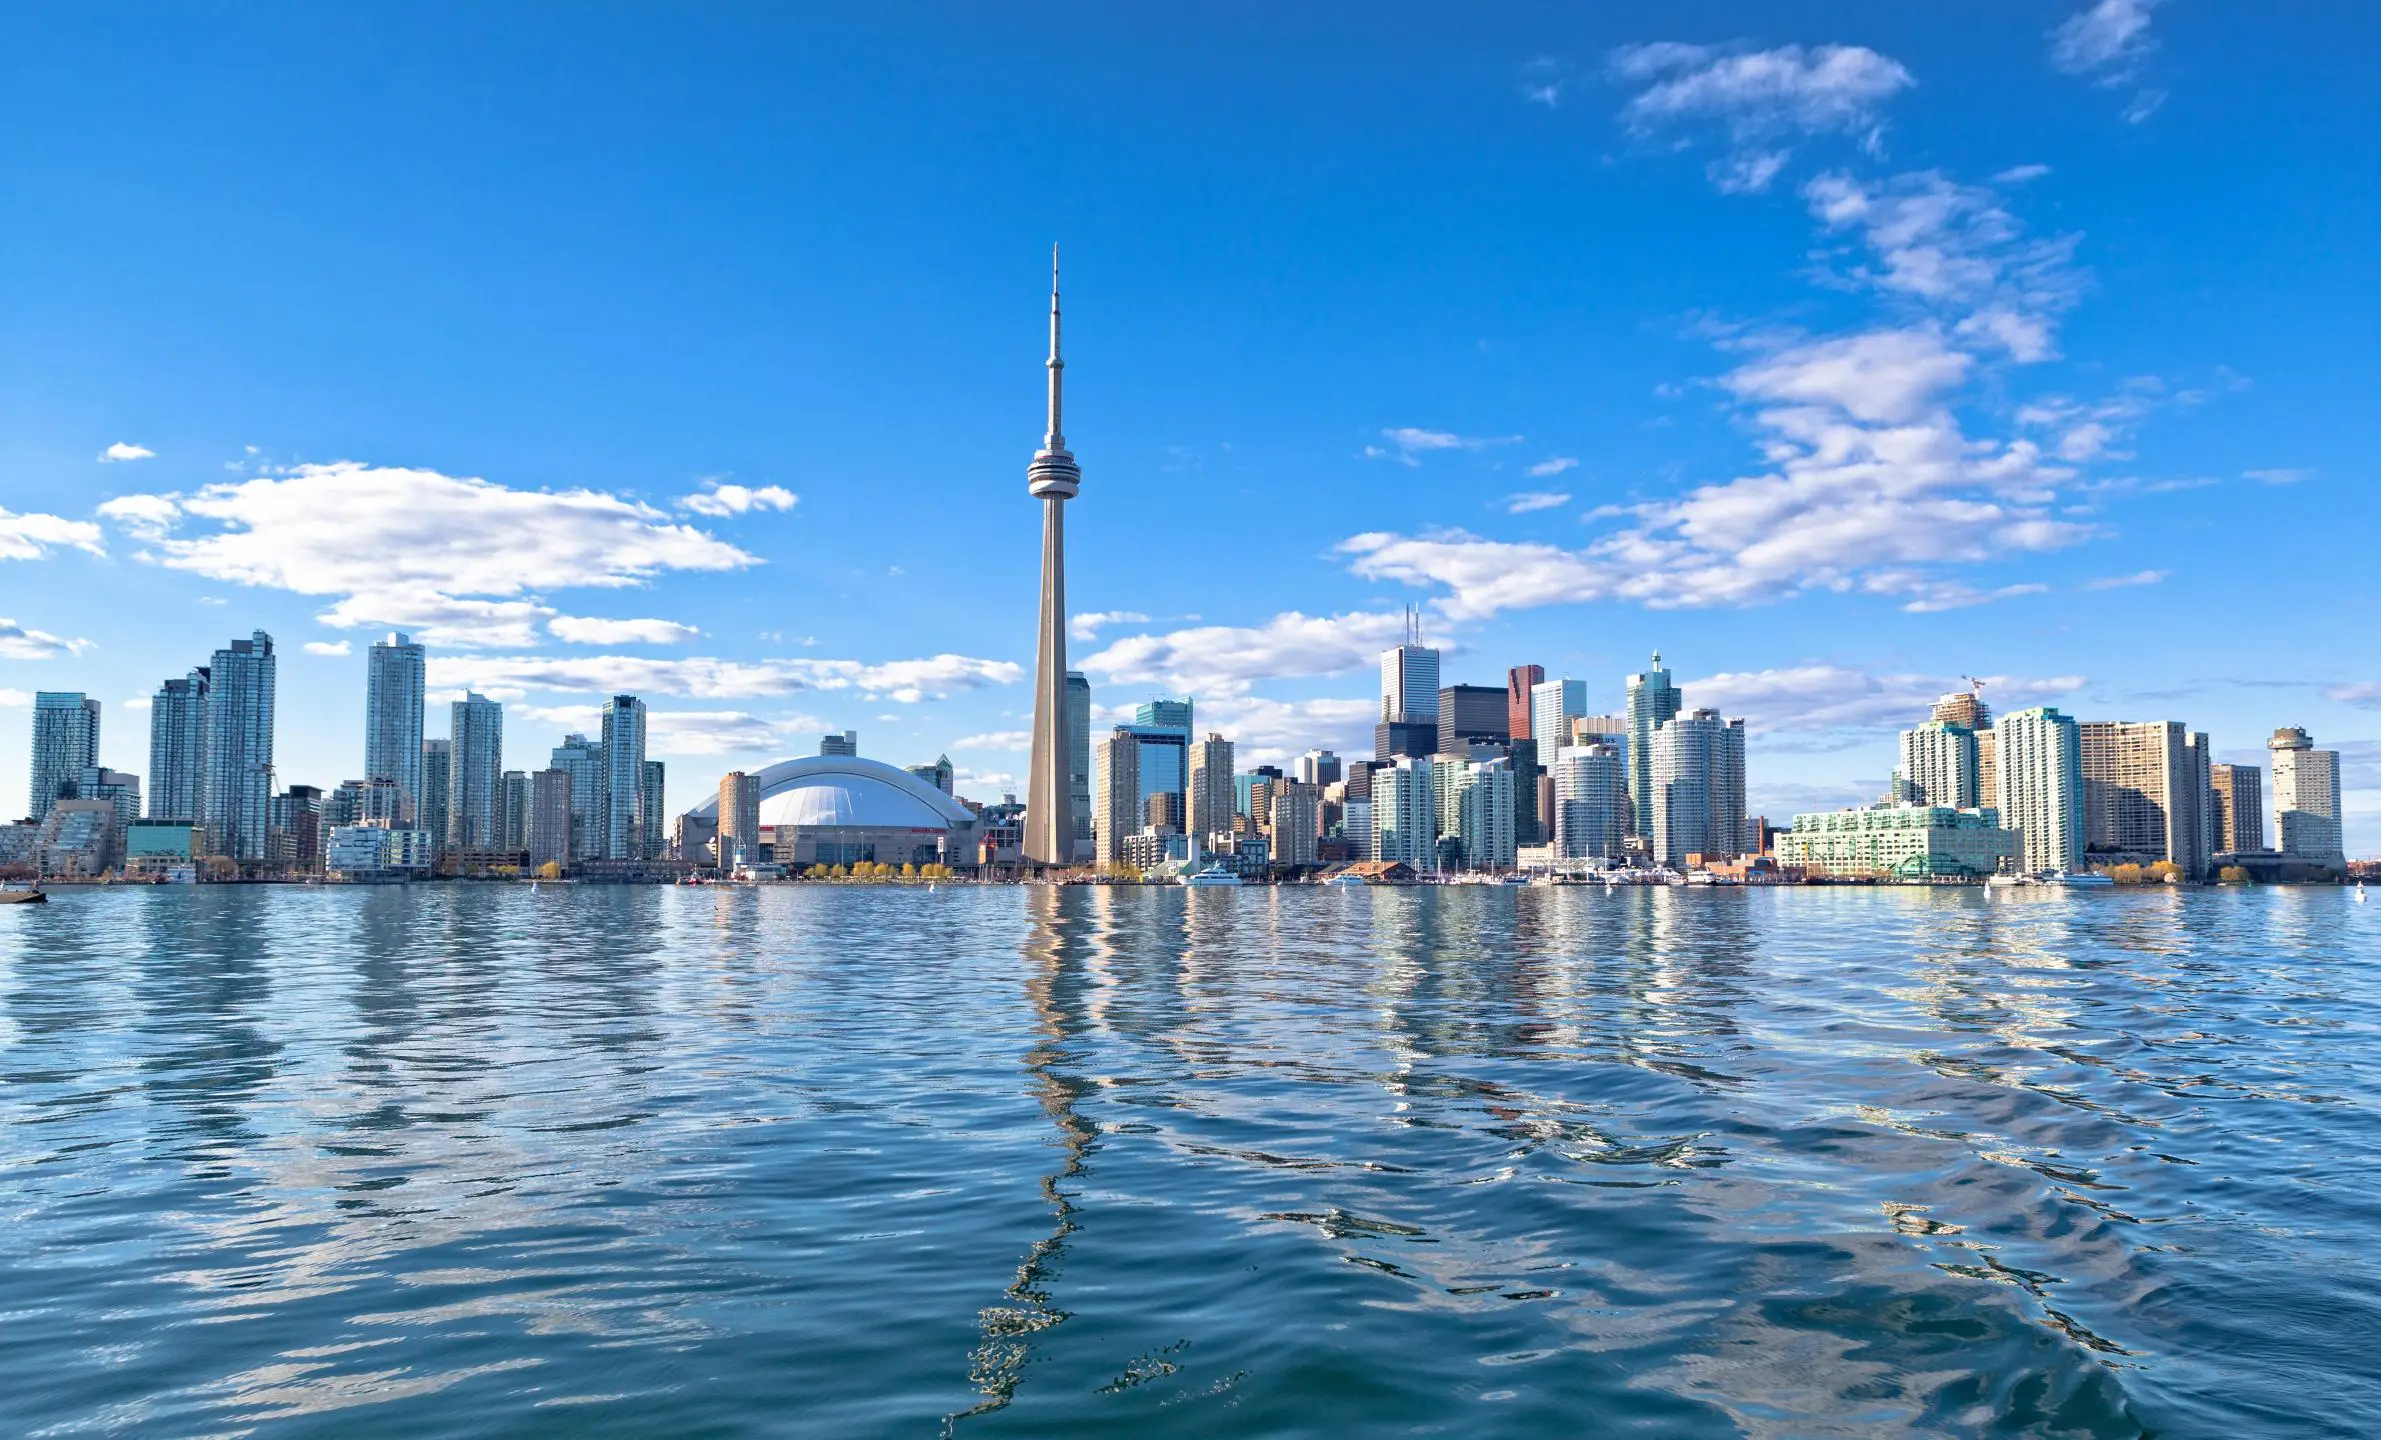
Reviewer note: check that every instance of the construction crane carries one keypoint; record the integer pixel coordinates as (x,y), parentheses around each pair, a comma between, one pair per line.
(1975,686)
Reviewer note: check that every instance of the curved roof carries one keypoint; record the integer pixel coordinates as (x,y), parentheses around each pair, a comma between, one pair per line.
(827,790)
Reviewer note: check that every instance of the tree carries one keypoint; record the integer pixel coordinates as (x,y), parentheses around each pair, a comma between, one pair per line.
(2234,874)
(2125,874)
(2163,872)
(551,870)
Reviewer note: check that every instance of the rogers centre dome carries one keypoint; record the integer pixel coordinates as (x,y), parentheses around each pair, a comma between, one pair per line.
(840,809)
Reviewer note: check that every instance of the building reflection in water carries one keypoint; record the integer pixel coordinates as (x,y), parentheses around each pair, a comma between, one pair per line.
(1066,941)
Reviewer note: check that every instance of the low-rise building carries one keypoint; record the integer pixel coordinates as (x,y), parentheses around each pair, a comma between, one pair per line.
(163,849)
(1911,842)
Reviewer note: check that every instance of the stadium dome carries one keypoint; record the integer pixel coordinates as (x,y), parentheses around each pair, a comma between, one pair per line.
(835,809)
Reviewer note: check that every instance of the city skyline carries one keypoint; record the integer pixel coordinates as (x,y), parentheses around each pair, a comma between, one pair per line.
(1354,412)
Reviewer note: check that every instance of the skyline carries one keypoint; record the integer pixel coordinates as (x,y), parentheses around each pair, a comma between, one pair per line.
(1978,387)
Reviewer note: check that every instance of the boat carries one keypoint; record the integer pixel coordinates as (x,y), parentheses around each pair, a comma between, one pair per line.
(34,896)
(1516,878)
(2360,892)
(2048,879)
(1214,874)
(1348,879)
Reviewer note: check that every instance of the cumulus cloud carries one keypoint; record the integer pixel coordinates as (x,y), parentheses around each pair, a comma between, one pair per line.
(589,630)
(1529,500)
(19,643)
(995,740)
(1836,697)
(326,647)
(1266,731)
(30,537)
(1759,98)
(719,500)
(709,678)
(1226,660)
(121,451)
(1087,626)
(1411,444)
(678,732)
(457,560)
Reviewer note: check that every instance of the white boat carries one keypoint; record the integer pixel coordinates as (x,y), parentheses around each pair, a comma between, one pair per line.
(1516,878)
(1350,879)
(2048,879)
(2360,892)
(1214,874)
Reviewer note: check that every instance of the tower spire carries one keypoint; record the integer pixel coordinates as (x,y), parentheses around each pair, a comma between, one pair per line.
(1056,440)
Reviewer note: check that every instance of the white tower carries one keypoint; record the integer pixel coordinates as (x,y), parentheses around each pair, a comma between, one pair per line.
(1053,478)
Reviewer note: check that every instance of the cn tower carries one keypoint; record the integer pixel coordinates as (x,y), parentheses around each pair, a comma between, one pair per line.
(1053,478)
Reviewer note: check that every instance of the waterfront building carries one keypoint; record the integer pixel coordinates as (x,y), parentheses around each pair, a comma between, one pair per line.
(939,774)
(845,742)
(1591,802)
(512,811)
(1530,808)
(552,815)
(1471,712)
(653,830)
(395,701)
(1484,815)
(1912,842)
(1553,705)
(433,810)
(582,760)
(65,743)
(473,804)
(1652,702)
(239,748)
(739,812)
(2041,787)
(1294,823)
(1211,797)
(1052,478)
(623,799)
(845,810)
(77,839)
(2306,798)
(1078,740)
(1356,827)
(163,849)
(1698,788)
(1405,813)
(1317,768)
(1117,799)
(118,788)
(1447,778)
(1519,682)
(1938,762)
(1164,765)
(357,802)
(2240,807)
(2146,795)
(177,749)
(296,835)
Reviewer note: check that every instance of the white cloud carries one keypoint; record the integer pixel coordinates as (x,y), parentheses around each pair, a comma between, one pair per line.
(30,537)
(15,699)
(1758,97)
(1087,626)
(2278,477)
(1529,500)
(121,451)
(1552,465)
(676,732)
(137,702)
(2020,174)
(1888,377)
(1265,731)
(19,643)
(2120,582)
(456,560)
(1225,660)
(708,678)
(2111,36)
(326,647)
(1834,697)
(589,630)
(1412,443)
(719,500)
(995,740)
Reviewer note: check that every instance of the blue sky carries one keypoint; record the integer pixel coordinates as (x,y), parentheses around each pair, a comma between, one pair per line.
(1837,351)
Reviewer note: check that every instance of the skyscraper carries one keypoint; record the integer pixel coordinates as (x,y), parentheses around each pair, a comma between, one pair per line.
(477,726)
(839,742)
(1078,739)
(1653,700)
(1553,704)
(2146,794)
(582,760)
(1518,682)
(394,700)
(2306,797)
(65,743)
(1317,768)
(1963,707)
(1591,802)
(434,812)
(1938,761)
(1410,681)
(1698,788)
(512,811)
(177,749)
(1210,801)
(1484,814)
(739,818)
(2240,806)
(1471,712)
(1293,820)
(239,748)
(1404,813)
(653,816)
(1053,478)
(2041,787)
(1173,713)
(623,780)
(550,815)
(1116,797)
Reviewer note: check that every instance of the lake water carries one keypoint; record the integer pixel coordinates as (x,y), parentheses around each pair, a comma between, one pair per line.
(465,1160)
